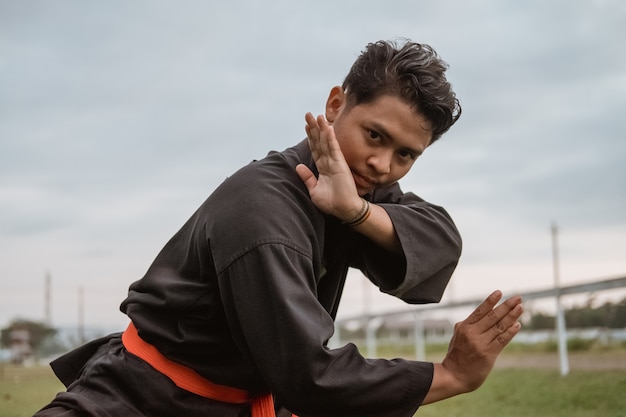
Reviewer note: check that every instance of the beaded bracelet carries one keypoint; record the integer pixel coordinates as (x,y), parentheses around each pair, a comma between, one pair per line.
(363,215)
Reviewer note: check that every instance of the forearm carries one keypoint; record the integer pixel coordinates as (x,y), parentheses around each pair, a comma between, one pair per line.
(443,386)
(379,228)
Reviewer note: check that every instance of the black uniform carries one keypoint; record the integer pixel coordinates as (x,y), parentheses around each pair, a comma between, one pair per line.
(246,294)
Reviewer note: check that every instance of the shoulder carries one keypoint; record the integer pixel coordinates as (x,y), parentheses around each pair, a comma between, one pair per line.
(263,203)
(266,188)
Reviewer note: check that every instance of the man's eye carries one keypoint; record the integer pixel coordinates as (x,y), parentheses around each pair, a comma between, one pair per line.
(407,155)
(374,135)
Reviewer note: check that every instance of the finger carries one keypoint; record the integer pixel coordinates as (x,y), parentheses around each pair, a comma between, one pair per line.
(323,135)
(484,308)
(328,139)
(508,320)
(503,339)
(307,176)
(333,144)
(492,319)
(311,137)
(312,132)
(311,127)
(310,120)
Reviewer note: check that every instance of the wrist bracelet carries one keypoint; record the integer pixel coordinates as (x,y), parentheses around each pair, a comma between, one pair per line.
(363,215)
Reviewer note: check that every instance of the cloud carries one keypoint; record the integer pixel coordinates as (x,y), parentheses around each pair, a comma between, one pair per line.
(118,119)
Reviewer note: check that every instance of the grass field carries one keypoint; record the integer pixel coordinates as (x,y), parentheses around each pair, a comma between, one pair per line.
(24,390)
(509,391)
(539,393)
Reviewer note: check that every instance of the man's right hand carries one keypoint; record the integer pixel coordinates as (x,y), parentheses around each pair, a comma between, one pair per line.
(476,343)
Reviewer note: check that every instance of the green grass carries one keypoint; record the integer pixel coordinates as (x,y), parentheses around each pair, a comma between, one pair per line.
(538,393)
(506,393)
(24,390)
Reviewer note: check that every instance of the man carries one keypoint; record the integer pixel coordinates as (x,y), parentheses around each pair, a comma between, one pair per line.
(234,315)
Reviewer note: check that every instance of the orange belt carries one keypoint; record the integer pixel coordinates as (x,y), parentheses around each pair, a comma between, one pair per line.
(189,380)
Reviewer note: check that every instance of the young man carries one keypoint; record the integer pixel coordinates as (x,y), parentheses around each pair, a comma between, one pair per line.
(234,315)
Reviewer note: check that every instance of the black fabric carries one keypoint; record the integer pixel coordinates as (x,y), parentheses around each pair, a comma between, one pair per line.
(69,366)
(247,291)
(115,383)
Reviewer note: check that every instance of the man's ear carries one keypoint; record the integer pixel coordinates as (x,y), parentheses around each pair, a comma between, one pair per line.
(335,104)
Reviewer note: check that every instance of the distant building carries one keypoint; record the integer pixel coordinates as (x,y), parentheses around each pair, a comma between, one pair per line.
(400,329)
(20,345)
(403,328)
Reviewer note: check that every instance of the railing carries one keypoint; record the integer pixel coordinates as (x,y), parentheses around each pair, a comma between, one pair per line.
(369,321)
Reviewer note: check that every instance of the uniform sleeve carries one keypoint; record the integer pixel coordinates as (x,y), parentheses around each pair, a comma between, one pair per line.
(270,300)
(431,247)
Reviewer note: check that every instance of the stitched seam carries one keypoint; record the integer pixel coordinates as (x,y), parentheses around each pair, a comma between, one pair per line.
(264,242)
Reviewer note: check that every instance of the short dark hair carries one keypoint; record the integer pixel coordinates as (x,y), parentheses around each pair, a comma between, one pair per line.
(412,71)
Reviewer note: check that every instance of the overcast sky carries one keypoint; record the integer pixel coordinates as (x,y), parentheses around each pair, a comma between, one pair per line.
(118,118)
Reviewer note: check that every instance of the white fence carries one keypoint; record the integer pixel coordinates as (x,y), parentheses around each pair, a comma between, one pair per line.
(418,316)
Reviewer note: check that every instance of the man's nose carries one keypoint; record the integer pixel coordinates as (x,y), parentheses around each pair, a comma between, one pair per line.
(381,162)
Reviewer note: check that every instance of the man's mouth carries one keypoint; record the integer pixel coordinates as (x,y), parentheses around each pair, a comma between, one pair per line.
(363,182)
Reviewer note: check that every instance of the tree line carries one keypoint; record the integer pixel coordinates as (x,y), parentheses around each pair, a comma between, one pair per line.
(608,315)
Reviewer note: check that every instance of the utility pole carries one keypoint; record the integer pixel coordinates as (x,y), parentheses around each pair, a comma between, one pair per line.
(560,316)
(81,316)
(47,302)
(370,329)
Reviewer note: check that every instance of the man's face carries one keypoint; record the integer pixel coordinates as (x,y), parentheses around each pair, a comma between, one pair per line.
(380,140)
